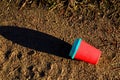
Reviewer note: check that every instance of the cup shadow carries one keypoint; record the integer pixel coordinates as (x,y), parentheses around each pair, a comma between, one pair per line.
(36,40)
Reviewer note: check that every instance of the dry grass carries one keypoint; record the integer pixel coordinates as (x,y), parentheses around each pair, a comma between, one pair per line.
(90,9)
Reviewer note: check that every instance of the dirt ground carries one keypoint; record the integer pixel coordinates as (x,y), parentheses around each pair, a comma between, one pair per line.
(35,43)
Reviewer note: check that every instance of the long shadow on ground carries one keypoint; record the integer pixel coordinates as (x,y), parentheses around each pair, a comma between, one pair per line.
(36,40)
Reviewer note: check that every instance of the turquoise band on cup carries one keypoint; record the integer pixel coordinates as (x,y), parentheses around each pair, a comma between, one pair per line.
(75,47)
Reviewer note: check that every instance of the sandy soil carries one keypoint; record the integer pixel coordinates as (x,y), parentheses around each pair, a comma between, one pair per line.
(35,43)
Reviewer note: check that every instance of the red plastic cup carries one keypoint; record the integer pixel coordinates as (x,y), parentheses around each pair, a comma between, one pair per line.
(83,51)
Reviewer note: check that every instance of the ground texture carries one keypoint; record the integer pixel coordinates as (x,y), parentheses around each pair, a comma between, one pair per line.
(36,36)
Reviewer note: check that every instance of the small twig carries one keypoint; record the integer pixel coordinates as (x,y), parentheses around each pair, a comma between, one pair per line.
(55,7)
(117,68)
(23,4)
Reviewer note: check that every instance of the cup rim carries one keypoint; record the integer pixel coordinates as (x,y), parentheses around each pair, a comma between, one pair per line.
(75,47)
